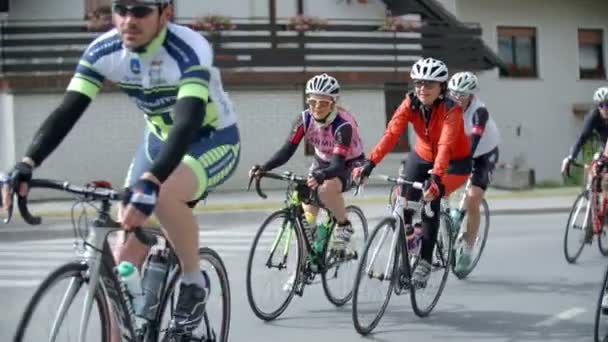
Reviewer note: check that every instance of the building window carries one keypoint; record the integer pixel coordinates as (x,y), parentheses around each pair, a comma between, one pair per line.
(517,48)
(394,94)
(591,54)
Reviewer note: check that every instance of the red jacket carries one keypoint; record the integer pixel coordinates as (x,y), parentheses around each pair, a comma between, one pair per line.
(442,140)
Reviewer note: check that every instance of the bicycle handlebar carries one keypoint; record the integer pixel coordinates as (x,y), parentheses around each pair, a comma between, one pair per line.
(286,176)
(416,185)
(98,191)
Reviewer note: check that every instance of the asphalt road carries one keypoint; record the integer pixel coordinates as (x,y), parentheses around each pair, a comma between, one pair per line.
(522,289)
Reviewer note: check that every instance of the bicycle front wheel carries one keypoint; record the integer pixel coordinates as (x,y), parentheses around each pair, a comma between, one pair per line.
(374,280)
(578,222)
(55,310)
(425,298)
(601,316)
(338,278)
(273,266)
(480,241)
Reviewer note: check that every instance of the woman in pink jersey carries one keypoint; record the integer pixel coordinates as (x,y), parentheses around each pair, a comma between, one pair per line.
(334,134)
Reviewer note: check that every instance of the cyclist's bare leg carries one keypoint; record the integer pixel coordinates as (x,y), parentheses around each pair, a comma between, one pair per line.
(183,231)
(330,194)
(177,218)
(473,201)
(314,210)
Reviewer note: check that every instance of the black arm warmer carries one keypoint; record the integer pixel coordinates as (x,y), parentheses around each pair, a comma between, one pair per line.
(480,119)
(57,126)
(588,126)
(281,157)
(187,122)
(286,151)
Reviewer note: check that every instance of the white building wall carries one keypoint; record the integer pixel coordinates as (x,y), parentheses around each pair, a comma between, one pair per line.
(543,106)
(7,145)
(102,143)
(47,9)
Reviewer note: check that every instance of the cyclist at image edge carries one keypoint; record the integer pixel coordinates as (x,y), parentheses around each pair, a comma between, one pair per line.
(334,134)
(484,138)
(596,121)
(441,146)
(191,141)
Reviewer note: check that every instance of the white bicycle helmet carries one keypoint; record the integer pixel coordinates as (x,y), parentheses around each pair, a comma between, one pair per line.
(463,82)
(429,69)
(601,95)
(323,85)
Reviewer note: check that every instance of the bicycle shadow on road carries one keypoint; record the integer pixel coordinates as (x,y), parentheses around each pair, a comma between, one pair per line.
(518,286)
(487,324)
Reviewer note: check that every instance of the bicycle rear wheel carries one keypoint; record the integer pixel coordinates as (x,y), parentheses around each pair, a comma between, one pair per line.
(578,222)
(480,241)
(600,331)
(55,310)
(216,320)
(338,279)
(374,280)
(276,252)
(425,298)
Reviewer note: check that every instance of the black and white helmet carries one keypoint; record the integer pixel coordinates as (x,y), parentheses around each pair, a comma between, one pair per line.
(601,95)
(463,82)
(429,69)
(323,85)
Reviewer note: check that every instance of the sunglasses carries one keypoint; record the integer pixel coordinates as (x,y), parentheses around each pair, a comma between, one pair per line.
(603,105)
(319,103)
(459,95)
(135,11)
(423,83)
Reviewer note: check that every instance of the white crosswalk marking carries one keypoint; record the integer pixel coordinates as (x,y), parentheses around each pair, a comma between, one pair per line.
(27,263)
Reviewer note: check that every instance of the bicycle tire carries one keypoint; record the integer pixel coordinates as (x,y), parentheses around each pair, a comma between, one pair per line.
(601,245)
(210,256)
(446,253)
(598,311)
(334,299)
(273,314)
(486,231)
(576,210)
(359,327)
(68,270)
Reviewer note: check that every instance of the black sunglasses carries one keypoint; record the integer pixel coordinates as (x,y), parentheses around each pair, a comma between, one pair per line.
(135,11)
(603,104)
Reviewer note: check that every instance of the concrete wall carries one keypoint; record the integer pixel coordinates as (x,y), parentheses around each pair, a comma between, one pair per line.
(7,146)
(103,142)
(74,9)
(542,106)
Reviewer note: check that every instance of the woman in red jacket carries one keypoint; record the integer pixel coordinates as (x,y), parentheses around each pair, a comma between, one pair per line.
(441,146)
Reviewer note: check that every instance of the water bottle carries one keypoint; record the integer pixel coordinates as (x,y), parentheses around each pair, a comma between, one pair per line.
(413,236)
(153,280)
(456,216)
(309,226)
(130,278)
(321,237)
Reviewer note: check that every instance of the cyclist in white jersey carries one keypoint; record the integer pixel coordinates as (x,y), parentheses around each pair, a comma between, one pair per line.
(191,142)
(485,138)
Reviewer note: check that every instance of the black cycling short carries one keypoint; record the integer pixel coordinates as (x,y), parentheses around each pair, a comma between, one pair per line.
(483,166)
(346,175)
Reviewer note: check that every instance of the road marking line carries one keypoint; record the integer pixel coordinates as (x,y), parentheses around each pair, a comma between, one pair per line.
(562,316)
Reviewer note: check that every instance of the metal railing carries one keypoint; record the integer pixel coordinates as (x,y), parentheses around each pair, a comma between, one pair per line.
(55,47)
